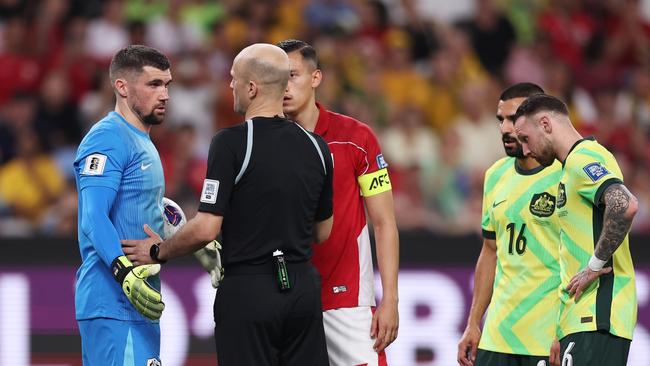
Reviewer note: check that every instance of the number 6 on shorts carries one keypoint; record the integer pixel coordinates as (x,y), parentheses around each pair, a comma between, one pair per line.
(567,358)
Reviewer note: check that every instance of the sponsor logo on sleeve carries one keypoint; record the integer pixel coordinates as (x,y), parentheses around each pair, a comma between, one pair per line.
(339,289)
(381,163)
(561,195)
(542,204)
(595,171)
(95,164)
(210,191)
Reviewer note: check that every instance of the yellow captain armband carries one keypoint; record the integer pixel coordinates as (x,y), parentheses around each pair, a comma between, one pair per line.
(374,183)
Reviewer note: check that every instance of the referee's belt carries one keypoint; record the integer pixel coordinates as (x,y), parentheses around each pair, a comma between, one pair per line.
(265,268)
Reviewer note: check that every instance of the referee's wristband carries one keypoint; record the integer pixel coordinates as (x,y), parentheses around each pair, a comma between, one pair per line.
(596,264)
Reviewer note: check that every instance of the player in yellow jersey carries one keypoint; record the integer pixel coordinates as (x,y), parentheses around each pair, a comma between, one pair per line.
(595,210)
(517,273)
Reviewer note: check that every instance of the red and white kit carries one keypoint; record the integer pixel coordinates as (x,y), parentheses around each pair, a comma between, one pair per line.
(345,260)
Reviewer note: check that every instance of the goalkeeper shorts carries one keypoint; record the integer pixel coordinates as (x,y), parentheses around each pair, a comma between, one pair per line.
(115,342)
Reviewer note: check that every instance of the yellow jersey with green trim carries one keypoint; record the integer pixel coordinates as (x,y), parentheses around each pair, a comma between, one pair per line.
(610,302)
(519,214)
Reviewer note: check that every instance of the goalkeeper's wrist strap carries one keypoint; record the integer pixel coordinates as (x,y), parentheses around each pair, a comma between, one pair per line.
(121,267)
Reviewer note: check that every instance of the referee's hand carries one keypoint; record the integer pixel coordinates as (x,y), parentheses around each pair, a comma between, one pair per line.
(139,251)
(385,323)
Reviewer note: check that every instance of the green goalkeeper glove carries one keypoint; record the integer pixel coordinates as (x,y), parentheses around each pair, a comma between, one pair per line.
(210,259)
(145,298)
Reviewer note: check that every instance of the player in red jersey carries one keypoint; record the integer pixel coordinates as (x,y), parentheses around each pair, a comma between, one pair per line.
(356,332)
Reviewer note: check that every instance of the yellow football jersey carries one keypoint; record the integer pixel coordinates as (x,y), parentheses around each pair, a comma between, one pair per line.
(610,302)
(519,213)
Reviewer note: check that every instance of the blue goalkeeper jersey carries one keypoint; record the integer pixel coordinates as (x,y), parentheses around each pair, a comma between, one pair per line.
(115,155)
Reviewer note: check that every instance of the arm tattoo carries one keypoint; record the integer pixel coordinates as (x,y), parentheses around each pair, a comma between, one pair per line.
(615,225)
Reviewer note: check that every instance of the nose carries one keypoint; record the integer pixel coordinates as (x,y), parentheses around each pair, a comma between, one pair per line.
(165,95)
(525,149)
(507,126)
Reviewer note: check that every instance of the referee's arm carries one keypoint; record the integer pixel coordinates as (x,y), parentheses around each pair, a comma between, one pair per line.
(202,228)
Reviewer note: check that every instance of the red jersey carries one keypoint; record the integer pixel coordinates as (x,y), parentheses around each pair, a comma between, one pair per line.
(345,260)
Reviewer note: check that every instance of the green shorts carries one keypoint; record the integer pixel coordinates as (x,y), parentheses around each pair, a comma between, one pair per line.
(489,358)
(594,348)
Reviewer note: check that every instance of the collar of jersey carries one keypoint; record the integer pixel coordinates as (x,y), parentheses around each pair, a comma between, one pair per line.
(588,138)
(523,171)
(323,122)
(119,117)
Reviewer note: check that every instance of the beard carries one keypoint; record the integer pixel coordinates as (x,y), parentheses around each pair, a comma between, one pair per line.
(151,118)
(546,156)
(516,151)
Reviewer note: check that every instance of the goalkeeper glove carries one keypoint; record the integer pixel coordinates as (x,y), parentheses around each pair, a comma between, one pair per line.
(210,259)
(145,298)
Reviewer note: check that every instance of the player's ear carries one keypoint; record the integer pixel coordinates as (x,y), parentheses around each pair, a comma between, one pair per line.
(316,78)
(120,86)
(545,123)
(252,89)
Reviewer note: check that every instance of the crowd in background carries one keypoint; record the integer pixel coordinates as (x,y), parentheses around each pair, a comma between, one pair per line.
(426,75)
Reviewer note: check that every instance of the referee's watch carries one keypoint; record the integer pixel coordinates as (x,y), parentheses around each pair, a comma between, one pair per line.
(153,253)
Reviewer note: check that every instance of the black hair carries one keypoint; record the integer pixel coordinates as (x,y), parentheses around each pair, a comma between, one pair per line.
(134,58)
(521,90)
(306,50)
(541,102)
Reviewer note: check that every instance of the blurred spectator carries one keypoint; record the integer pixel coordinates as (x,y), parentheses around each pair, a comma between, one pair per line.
(446,186)
(19,69)
(31,182)
(15,116)
(184,170)
(477,131)
(61,218)
(170,34)
(568,28)
(108,33)
(492,35)
(193,97)
(408,142)
(331,16)
(57,117)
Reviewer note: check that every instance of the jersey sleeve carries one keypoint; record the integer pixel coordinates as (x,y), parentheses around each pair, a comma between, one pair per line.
(371,168)
(487,226)
(101,160)
(220,175)
(594,172)
(326,201)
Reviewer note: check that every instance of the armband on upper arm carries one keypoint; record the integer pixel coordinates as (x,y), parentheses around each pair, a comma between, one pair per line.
(374,183)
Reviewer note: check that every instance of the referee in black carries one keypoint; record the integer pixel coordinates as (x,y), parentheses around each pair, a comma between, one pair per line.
(269,185)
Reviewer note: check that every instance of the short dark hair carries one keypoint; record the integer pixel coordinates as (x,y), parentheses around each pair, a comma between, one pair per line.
(134,58)
(541,102)
(306,50)
(521,90)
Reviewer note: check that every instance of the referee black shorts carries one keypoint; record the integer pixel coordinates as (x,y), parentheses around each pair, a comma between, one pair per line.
(256,324)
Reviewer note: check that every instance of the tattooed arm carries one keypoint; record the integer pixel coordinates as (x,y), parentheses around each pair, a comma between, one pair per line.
(620,208)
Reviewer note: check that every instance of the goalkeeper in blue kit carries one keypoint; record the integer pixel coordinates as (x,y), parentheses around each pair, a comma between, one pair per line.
(120,184)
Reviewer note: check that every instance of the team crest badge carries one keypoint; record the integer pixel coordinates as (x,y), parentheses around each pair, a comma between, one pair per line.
(542,204)
(154,362)
(561,196)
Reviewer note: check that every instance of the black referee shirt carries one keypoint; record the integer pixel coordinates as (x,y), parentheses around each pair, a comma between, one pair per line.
(271,195)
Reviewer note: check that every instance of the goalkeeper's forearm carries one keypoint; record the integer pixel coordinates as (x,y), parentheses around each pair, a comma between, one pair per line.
(96,225)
